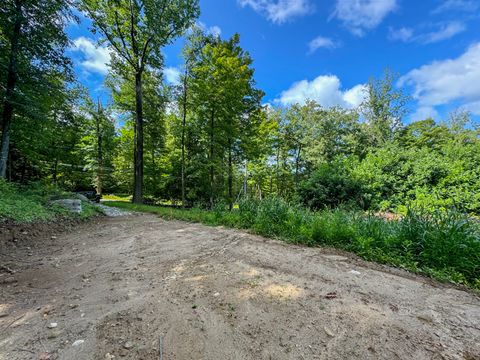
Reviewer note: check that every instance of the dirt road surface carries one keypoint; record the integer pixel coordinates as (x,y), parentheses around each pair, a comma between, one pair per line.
(139,287)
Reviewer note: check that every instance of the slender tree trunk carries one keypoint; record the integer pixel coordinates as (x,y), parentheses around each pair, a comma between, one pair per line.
(271,184)
(297,164)
(245,182)
(99,153)
(212,171)
(184,124)
(277,170)
(24,169)
(55,171)
(230,176)
(138,146)
(7,114)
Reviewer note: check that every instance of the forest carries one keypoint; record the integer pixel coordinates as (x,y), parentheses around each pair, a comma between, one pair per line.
(211,142)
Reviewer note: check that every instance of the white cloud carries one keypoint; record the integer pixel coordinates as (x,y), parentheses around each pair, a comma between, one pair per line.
(362,15)
(279,11)
(473,107)
(403,34)
(325,90)
(95,59)
(446,81)
(457,5)
(321,42)
(212,30)
(172,75)
(215,30)
(444,31)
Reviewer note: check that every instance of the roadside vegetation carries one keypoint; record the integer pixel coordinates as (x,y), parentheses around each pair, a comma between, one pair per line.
(444,245)
(305,173)
(30,203)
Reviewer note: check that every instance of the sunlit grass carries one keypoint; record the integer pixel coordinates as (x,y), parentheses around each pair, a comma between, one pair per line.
(444,245)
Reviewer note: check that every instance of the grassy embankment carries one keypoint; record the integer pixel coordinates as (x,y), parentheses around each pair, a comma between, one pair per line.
(444,245)
(26,204)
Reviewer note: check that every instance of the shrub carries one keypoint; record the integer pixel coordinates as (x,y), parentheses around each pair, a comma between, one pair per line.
(330,186)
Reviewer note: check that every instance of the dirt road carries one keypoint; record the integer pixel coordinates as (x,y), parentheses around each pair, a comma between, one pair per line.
(138,287)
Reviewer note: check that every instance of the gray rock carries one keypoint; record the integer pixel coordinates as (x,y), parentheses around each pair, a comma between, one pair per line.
(73,205)
(82,197)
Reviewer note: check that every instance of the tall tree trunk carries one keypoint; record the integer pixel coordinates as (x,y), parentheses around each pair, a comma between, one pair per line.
(7,114)
(55,171)
(277,170)
(99,152)
(297,164)
(212,171)
(230,176)
(24,169)
(138,146)
(245,181)
(184,124)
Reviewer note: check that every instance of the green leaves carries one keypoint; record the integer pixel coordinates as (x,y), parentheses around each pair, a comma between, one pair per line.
(136,30)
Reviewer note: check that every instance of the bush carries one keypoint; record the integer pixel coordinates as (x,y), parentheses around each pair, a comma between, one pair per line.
(330,186)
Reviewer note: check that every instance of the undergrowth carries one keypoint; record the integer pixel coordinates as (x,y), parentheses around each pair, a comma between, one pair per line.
(33,202)
(443,245)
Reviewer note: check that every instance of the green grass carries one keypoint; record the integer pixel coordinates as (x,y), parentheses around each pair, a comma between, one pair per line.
(25,204)
(443,245)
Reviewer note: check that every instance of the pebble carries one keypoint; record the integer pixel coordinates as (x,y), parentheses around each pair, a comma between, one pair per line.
(109,356)
(78,342)
(52,325)
(426,317)
(328,332)
(128,345)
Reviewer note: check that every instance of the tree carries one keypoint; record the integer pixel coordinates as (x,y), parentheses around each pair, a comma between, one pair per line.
(156,96)
(136,31)
(195,42)
(98,143)
(32,44)
(224,94)
(383,108)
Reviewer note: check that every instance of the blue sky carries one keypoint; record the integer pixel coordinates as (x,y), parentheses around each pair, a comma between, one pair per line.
(326,50)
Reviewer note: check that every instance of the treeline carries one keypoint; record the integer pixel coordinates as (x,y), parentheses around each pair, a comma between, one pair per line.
(209,139)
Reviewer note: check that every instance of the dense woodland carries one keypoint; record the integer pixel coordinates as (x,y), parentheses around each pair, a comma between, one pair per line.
(210,139)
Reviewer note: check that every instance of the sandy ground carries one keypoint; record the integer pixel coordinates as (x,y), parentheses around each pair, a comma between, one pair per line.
(138,287)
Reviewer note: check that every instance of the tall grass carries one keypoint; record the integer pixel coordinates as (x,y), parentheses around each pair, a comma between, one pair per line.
(444,245)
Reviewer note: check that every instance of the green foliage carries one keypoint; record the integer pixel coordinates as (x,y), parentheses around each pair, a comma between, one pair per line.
(444,245)
(331,186)
(31,202)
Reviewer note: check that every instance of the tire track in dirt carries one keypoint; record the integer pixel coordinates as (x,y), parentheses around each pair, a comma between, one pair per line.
(127,285)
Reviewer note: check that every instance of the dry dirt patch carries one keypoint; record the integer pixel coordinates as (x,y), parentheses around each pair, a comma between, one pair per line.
(139,287)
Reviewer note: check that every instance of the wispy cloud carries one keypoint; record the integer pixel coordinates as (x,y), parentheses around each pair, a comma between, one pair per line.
(279,11)
(362,15)
(212,30)
(457,5)
(321,42)
(326,90)
(451,80)
(172,75)
(443,31)
(403,34)
(94,58)
(446,31)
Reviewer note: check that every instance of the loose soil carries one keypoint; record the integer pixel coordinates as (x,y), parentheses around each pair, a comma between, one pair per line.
(139,287)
